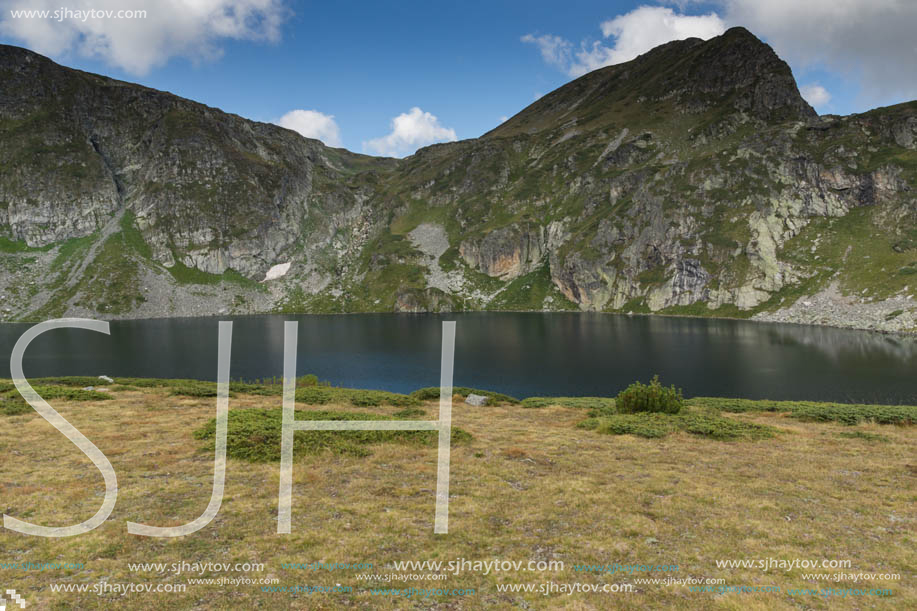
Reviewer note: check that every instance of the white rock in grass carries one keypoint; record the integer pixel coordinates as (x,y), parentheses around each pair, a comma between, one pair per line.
(476,400)
(278,271)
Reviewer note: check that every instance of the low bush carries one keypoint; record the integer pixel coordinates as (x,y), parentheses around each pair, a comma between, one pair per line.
(739,406)
(146,382)
(855,414)
(70,394)
(66,393)
(373,398)
(254,435)
(322,395)
(864,436)
(652,397)
(250,388)
(655,424)
(590,424)
(12,403)
(193,388)
(811,411)
(313,396)
(596,405)
(410,413)
(724,429)
(12,406)
(76,381)
(649,425)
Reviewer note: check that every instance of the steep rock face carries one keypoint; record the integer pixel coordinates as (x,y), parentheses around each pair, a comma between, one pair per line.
(212,190)
(507,252)
(693,179)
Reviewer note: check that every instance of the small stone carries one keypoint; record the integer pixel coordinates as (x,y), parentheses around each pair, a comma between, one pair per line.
(476,400)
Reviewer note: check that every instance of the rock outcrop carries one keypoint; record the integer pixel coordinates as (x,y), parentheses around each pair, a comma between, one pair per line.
(507,252)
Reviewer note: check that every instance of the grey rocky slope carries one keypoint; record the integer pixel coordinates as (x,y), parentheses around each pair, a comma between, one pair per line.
(691,180)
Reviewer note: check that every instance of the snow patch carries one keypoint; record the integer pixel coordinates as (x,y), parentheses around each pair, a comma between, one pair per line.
(278,271)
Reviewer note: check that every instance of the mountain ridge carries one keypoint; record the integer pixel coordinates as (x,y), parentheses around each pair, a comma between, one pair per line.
(693,179)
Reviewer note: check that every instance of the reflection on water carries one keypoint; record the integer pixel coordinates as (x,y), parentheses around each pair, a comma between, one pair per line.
(523,354)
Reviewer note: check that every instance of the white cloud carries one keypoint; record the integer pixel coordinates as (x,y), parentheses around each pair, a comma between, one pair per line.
(504,119)
(871,42)
(815,94)
(312,124)
(410,131)
(646,27)
(171,28)
(634,33)
(554,49)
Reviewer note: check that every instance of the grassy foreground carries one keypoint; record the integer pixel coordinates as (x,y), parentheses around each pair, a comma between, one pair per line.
(544,480)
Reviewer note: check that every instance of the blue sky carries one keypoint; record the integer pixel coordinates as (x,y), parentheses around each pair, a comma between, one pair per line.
(468,64)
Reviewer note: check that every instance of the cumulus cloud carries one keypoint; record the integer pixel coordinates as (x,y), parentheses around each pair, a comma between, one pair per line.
(868,41)
(633,33)
(312,124)
(410,131)
(170,28)
(815,94)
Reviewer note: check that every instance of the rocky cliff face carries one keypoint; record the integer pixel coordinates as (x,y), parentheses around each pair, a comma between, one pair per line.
(691,180)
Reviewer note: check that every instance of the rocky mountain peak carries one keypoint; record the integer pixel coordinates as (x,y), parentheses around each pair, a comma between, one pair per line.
(746,72)
(733,72)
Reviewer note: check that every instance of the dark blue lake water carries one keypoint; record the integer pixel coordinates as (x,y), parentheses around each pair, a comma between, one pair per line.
(523,354)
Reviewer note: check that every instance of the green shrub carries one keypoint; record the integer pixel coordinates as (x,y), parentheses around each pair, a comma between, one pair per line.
(654,398)
(254,435)
(310,379)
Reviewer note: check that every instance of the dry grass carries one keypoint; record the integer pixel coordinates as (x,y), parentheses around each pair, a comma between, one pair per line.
(530,486)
